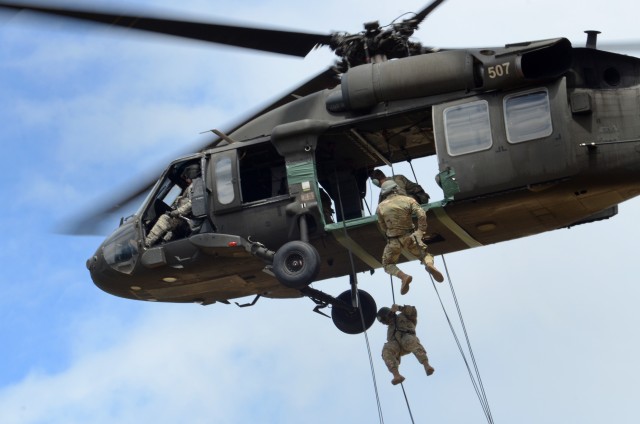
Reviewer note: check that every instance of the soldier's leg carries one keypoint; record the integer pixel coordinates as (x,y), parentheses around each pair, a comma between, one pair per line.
(412,344)
(162,225)
(390,257)
(420,250)
(391,358)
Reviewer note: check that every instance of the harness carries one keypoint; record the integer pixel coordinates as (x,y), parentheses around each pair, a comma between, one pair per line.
(409,232)
(396,330)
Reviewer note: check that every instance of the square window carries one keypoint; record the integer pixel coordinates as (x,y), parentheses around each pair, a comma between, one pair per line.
(527,116)
(467,128)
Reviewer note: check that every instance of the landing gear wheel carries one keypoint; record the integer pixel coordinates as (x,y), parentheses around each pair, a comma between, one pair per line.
(296,264)
(350,321)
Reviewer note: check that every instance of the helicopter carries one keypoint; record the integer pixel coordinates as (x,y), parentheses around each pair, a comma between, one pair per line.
(529,137)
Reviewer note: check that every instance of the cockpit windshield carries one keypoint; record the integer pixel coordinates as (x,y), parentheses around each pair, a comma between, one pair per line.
(167,213)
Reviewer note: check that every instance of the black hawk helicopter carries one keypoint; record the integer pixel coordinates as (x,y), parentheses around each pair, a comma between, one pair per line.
(529,137)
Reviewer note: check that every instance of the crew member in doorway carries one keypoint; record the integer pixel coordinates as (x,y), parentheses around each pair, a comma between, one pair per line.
(395,217)
(169,221)
(405,186)
(327,211)
(401,339)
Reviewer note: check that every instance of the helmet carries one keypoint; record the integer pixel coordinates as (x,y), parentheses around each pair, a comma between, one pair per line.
(383,313)
(191,172)
(388,187)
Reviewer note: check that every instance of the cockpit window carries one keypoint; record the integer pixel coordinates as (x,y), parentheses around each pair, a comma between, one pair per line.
(120,251)
(172,195)
(467,128)
(224,180)
(527,116)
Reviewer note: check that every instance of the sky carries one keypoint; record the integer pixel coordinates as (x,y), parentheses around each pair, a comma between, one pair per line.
(85,111)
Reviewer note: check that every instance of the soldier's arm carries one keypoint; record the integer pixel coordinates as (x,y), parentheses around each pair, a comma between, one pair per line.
(381,222)
(410,186)
(185,208)
(421,214)
(410,312)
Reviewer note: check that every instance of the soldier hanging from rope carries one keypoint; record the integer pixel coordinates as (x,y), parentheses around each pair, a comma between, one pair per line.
(395,217)
(401,339)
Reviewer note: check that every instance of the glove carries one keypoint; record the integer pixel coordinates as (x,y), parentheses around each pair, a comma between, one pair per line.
(174,213)
(418,234)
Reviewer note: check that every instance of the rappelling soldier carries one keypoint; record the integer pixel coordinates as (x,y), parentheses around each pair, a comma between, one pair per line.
(401,339)
(395,217)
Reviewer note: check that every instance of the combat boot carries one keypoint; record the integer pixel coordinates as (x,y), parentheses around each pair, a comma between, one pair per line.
(428,368)
(406,280)
(397,378)
(431,269)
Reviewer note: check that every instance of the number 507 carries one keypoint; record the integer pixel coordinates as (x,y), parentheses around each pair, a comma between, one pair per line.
(498,70)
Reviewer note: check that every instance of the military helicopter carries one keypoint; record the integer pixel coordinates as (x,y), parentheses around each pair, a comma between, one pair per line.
(529,137)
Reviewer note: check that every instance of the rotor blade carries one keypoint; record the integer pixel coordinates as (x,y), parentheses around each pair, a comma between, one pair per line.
(426,11)
(92,221)
(274,41)
(325,79)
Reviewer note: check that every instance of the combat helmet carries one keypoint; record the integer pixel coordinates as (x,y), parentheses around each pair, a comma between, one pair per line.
(383,313)
(388,187)
(191,172)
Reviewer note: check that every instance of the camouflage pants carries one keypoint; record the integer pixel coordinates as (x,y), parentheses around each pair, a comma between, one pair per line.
(394,247)
(163,225)
(402,345)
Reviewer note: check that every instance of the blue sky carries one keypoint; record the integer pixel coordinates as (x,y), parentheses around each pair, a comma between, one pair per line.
(552,318)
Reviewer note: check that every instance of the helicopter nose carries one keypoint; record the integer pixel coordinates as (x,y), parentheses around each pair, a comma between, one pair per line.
(91,262)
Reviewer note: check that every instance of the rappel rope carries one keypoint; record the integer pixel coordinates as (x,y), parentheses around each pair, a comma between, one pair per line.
(373,373)
(366,337)
(415,177)
(477,385)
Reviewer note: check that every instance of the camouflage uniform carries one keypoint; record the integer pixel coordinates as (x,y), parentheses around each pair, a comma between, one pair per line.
(402,340)
(395,216)
(409,188)
(169,221)
(405,186)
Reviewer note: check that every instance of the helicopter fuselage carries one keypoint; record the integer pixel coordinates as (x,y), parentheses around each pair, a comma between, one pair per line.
(529,138)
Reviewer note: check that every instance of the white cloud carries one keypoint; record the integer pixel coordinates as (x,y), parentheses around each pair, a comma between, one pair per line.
(552,318)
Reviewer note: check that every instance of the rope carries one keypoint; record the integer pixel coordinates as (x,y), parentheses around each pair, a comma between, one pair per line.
(407,401)
(415,178)
(366,337)
(476,385)
(373,373)
(484,400)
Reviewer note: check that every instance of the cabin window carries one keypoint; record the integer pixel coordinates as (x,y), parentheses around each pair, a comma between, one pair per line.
(527,116)
(224,180)
(263,174)
(467,128)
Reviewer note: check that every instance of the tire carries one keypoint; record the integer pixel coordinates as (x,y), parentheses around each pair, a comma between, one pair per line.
(350,322)
(296,264)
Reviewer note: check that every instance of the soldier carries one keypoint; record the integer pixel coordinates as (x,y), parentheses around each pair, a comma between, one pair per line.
(395,217)
(401,339)
(405,186)
(169,221)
